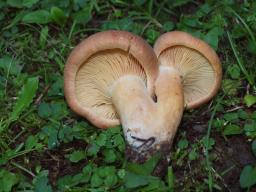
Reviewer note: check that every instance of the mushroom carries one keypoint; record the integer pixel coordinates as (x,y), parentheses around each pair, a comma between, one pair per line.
(196,62)
(109,77)
(103,63)
(113,77)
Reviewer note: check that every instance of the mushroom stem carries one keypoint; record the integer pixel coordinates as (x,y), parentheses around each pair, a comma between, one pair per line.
(170,101)
(135,108)
(147,124)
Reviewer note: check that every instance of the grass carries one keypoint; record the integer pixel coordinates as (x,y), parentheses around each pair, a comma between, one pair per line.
(44,146)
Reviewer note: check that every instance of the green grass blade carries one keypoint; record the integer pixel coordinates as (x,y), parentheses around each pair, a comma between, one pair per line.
(208,164)
(241,65)
(25,98)
(245,25)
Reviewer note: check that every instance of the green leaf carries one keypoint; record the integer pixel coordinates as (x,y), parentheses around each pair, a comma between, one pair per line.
(38,17)
(78,178)
(250,100)
(139,2)
(83,16)
(132,180)
(212,37)
(110,180)
(43,36)
(31,142)
(77,156)
(243,114)
(29,3)
(156,184)
(231,116)
(10,65)
(171,179)
(254,147)
(248,176)
(58,15)
(64,183)
(203,10)
(234,71)
(7,180)
(152,35)
(146,168)
(15,3)
(55,110)
(189,22)
(119,24)
(230,86)
(57,87)
(250,129)
(183,143)
(93,150)
(96,181)
(51,130)
(251,47)
(106,171)
(121,173)
(232,130)
(179,3)
(208,143)
(66,133)
(59,110)
(25,97)
(41,182)
(193,155)
(101,139)
(87,171)
(168,26)
(44,110)
(253,115)
(109,155)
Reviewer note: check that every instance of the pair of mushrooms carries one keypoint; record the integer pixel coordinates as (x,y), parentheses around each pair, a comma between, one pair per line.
(115,77)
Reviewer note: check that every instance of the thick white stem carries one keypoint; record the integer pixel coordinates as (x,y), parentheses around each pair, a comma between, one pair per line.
(147,123)
(170,101)
(135,107)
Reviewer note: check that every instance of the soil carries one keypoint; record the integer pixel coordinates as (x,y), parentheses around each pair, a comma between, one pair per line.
(231,154)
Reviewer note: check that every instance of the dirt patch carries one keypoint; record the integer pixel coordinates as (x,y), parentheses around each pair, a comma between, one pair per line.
(56,163)
(231,154)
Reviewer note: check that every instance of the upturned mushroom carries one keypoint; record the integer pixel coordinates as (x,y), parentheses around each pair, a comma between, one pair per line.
(195,61)
(115,77)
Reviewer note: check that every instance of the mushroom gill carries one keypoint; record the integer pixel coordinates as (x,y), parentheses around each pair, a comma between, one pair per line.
(198,75)
(96,76)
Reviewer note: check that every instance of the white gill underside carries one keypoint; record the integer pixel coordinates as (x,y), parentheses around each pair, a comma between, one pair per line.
(98,74)
(196,71)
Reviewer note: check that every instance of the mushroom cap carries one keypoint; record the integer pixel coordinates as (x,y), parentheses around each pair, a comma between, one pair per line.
(96,63)
(197,62)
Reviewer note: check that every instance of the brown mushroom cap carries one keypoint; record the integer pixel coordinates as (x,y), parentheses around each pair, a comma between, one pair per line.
(96,63)
(197,62)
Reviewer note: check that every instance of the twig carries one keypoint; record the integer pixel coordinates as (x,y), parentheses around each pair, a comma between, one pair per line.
(39,98)
(234,109)
(23,168)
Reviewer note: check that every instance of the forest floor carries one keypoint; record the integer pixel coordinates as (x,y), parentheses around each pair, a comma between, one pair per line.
(44,146)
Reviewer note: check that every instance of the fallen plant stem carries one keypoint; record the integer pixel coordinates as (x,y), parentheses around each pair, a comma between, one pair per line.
(210,177)
(23,169)
(245,25)
(243,69)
